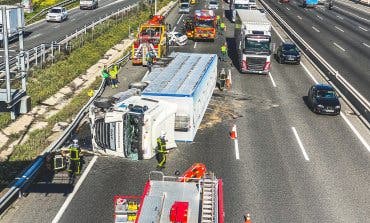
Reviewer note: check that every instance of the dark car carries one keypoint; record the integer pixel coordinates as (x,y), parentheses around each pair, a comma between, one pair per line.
(288,53)
(284,1)
(322,99)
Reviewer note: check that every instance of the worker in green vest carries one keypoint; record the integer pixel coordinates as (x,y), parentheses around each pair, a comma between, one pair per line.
(74,158)
(161,151)
(105,74)
(113,76)
(223,52)
(218,18)
(222,28)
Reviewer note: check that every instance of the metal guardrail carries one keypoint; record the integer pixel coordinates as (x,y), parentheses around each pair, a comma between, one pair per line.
(361,105)
(44,11)
(31,171)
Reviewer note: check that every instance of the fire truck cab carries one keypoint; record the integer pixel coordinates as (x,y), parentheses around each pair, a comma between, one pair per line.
(204,25)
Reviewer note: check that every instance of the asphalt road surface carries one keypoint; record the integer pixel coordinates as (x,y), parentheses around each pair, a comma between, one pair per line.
(341,36)
(294,165)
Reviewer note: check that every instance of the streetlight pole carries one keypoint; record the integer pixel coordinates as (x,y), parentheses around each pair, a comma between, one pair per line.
(155,7)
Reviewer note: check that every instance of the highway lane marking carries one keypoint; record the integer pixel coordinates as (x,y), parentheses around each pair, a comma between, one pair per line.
(35,36)
(354,130)
(287,8)
(340,17)
(319,17)
(236,149)
(309,73)
(179,19)
(272,80)
(174,28)
(75,189)
(339,28)
(195,45)
(366,45)
(337,45)
(357,16)
(314,28)
(362,28)
(281,38)
(300,144)
(299,17)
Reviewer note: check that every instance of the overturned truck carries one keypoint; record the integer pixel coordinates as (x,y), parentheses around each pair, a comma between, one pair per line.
(172,102)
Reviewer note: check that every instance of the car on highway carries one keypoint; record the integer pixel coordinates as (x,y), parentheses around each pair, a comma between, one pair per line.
(322,99)
(177,38)
(184,7)
(213,4)
(288,52)
(89,4)
(284,1)
(57,14)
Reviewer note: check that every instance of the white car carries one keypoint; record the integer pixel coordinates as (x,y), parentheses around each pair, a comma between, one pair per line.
(213,4)
(57,14)
(177,38)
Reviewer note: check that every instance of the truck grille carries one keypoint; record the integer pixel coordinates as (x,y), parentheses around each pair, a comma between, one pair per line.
(105,134)
(256,63)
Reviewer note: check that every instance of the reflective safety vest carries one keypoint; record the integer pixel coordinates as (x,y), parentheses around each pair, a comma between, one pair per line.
(104,73)
(223,49)
(113,73)
(218,18)
(161,145)
(74,153)
(222,25)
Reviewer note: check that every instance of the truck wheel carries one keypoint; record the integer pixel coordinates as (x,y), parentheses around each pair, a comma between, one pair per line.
(103,103)
(138,85)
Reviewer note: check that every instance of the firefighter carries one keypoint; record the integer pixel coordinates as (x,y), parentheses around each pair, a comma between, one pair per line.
(105,74)
(222,28)
(223,52)
(161,151)
(113,76)
(149,58)
(74,158)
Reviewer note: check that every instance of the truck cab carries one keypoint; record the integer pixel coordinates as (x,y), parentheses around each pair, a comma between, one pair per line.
(309,3)
(184,6)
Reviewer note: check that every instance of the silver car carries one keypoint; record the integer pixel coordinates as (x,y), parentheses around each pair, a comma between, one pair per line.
(57,14)
(213,4)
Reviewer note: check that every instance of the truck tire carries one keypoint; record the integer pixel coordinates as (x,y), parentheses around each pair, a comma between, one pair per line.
(138,85)
(103,102)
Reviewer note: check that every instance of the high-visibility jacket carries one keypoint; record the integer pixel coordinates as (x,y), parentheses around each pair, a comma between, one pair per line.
(104,73)
(223,26)
(161,145)
(223,49)
(218,18)
(113,73)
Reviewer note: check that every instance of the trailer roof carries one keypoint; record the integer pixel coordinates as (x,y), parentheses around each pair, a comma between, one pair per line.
(181,77)
(252,16)
(163,194)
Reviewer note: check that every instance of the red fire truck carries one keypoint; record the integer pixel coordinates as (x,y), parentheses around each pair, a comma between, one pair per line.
(204,25)
(151,37)
(196,196)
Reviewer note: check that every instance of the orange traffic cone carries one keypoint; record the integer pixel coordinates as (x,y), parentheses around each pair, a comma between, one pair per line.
(247,218)
(233,134)
(228,80)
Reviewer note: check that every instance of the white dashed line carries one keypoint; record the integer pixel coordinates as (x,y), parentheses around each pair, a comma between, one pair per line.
(366,45)
(357,16)
(281,38)
(35,36)
(195,45)
(299,17)
(339,28)
(75,189)
(337,45)
(174,28)
(179,19)
(300,144)
(314,28)
(363,141)
(319,17)
(287,8)
(363,28)
(340,17)
(272,80)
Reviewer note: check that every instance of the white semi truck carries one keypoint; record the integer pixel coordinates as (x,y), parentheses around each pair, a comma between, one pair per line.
(130,128)
(241,4)
(253,41)
(12,23)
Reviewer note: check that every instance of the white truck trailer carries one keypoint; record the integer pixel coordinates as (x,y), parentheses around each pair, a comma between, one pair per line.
(188,81)
(241,4)
(130,128)
(253,41)
(12,23)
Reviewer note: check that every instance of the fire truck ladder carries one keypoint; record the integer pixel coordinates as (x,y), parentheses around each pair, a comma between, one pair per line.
(208,198)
